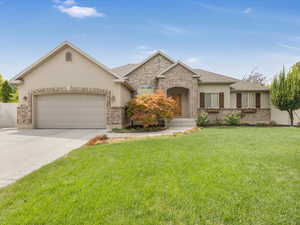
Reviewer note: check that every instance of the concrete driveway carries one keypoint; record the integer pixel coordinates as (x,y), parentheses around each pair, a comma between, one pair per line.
(22,151)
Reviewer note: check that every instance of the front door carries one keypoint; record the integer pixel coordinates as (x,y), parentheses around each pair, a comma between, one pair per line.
(177,98)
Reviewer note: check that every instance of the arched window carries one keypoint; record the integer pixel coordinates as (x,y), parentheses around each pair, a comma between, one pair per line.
(68,57)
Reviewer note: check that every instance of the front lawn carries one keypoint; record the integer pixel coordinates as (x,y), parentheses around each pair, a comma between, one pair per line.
(225,175)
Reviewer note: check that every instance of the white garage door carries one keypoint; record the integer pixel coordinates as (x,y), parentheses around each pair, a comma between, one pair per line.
(70,111)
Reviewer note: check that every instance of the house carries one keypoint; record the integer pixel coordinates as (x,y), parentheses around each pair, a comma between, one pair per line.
(69,89)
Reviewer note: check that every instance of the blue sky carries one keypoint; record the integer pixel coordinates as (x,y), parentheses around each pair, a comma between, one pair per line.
(229,37)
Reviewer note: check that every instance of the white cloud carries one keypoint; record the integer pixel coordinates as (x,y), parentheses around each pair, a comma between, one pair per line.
(79,12)
(221,9)
(143,47)
(288,46)
(192,60)
(69,2)
(141,52)
(145,50)
(64,2)
(172,30)
(215,8)
(247,11)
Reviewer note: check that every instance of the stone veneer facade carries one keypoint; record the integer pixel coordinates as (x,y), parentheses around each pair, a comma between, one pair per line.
(178,76)
(114,115)
(146,73)
(258,116)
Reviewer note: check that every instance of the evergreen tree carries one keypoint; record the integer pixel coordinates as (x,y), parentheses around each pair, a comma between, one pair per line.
(1,82)
(6,92)
(285,91)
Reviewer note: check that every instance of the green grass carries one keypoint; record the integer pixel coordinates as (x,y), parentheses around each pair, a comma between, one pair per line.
(225,175)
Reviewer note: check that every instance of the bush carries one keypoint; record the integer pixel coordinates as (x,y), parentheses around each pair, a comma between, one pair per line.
(99,139)
(233,118)
(272,123)
(202,119)
(150,109)
(261,124)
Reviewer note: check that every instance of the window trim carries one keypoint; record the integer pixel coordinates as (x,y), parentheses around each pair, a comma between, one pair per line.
(218,99)
(248,100)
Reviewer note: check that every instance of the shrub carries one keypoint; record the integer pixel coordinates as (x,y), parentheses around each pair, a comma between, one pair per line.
(233,118)
(150,109)
(202,119)
(99,139)
(261,124)
(272,123)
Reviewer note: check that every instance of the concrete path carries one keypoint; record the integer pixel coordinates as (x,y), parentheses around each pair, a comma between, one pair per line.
(23,151)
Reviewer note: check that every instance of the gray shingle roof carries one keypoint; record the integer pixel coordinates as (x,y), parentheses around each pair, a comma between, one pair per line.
(248,86)
(206,77)
(210,77)
(122,70)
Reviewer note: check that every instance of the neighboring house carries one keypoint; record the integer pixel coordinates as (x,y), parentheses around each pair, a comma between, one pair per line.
(69,89)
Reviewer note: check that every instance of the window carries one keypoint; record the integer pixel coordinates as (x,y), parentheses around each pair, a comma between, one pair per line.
(212,100)
(144,89)
(248,100)
(68,57)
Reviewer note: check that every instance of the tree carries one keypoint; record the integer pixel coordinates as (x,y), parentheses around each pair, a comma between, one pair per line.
(1,82)
(285,91)
(256,77)
(6,92)
(149,109)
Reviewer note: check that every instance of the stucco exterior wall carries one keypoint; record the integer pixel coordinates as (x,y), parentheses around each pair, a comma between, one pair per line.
(8,115)
(217,88)
(80,75)
(282,117)
(81,72)
(233,100)
(146,74)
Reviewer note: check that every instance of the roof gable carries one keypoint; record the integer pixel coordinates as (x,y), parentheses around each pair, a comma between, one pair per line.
(56,50)
(148,59)
(178,63)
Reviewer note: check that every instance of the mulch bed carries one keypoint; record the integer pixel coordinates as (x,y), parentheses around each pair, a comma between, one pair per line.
(104,139)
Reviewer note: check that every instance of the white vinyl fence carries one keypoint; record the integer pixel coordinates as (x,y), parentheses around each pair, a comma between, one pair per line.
(282,117)
(8,115)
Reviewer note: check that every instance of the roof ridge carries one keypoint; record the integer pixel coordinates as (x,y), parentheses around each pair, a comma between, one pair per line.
(55,50)
(158,52)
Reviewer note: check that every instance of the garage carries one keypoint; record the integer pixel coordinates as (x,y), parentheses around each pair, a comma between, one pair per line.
(70,111)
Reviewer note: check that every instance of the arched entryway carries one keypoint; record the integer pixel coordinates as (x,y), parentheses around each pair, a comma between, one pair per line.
(181,96)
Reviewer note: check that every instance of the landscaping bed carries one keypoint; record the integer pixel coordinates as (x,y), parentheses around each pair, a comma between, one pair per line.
(139,129)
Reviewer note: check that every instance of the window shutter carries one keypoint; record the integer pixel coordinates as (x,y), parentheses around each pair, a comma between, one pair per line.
(257,100)
(221,100)
(202,100)
(239,100)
